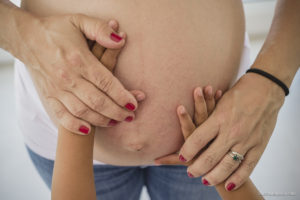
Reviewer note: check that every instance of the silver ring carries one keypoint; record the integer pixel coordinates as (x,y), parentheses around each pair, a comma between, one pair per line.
(236,156)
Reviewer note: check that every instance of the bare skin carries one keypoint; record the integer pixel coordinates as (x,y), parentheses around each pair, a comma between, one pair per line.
(166,58)
(167,41)
(74,150)
(246,115)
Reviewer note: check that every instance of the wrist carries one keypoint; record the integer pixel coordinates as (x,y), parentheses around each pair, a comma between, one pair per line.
(281,70)
(265,88)
(18,26)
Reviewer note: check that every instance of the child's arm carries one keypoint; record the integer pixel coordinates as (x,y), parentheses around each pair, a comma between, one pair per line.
(73,176)
(247,191)
(205,103)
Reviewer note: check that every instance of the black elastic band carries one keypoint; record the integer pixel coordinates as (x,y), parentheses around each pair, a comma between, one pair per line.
(272,78)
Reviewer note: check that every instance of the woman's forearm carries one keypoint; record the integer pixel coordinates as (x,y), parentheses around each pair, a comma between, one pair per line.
(73,176)
(247,191)
(11,19)
(280,54)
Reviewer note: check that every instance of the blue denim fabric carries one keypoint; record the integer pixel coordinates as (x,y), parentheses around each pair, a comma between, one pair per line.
(125,183)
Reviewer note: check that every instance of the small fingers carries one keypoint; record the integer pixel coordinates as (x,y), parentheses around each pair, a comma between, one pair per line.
(67,120)
(109,58)
(113,24)
(170,160)
(199,139)
(186,123)
(139,95)
(209,98)
(97,49)
(218,95)
(200,111)
(98,30)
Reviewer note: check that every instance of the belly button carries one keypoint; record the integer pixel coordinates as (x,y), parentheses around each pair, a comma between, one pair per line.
(135,147)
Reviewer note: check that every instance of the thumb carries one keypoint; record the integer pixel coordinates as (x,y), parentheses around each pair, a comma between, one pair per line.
(98,30)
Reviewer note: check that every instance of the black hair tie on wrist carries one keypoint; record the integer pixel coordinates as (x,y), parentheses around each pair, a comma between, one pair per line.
(272,78)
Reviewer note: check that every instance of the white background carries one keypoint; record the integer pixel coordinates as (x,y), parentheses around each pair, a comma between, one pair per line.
(276,175)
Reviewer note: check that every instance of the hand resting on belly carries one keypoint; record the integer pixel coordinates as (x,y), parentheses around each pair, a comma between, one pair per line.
(206,94)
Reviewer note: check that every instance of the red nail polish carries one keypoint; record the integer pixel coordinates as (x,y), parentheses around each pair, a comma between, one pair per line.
(190,175)
(112,122)
(130,106)
(115,37)
(129,119)
(230,186)
(181,158)
(205,182)
(84,129)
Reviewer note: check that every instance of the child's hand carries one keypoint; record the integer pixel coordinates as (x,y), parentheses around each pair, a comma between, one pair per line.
(108,57)
(205,102)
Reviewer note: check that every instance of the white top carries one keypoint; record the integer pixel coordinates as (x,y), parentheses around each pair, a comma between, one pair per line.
(40,134)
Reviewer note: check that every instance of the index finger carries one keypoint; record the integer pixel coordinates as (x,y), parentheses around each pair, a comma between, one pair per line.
(186,123)
(103,79)
(199,139)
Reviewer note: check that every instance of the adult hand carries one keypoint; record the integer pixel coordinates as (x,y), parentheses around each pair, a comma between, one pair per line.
(109,57)
(72,83)
(242,122)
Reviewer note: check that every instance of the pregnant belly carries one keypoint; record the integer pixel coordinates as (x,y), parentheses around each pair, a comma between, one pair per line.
(172,47)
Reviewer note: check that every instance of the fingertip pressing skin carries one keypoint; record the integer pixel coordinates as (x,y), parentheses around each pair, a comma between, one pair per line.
(113,24)
(198,91)
(218,95)
(181,110)
(139,95)
(208,92)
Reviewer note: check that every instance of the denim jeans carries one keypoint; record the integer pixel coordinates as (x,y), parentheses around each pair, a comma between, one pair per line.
(125,183)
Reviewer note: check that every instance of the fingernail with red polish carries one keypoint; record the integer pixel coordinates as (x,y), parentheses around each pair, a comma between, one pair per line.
(129,119)
(230,186)
(115,37)
(205,182)
(181,158)
(112,122)
(84,129)
(130,106)
(190,175)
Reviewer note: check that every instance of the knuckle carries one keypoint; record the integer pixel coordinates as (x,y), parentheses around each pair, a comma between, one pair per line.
(59,113)
(235,132)
(74,58)
(101,27)
(98,104)
(198,142)
(81,111)
(65,79)
(227,165)
(209,160)
(101,123)
(99,120)
(105,83)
